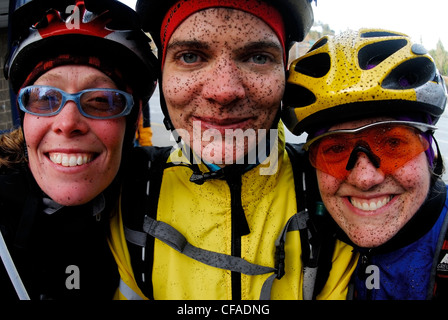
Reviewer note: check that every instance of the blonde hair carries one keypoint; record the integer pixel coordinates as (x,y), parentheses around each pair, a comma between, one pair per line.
(12,149)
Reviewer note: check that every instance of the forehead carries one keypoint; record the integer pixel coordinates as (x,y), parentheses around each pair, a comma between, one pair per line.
(67,73)
(215,23)
(358,123)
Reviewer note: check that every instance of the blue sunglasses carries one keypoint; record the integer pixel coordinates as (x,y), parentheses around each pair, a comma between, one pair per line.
(95,103)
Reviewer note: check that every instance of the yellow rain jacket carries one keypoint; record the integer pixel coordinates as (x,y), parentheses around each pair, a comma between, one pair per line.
(202,214)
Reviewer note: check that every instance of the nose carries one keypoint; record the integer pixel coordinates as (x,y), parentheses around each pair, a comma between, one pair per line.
(70,122)
(224,83)
(365,174)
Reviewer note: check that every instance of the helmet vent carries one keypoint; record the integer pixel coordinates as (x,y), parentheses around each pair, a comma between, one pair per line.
(410,74)
(375,34)
(315,66)
(372,55)
(297,96)
(318,44)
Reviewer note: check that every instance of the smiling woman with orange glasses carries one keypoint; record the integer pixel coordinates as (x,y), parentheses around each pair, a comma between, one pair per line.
(369,101)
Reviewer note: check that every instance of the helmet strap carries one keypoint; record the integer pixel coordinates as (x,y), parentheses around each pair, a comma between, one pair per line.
(438,168)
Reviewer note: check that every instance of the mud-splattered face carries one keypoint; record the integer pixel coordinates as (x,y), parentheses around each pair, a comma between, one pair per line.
(369,206)
(74,158)
(223,74)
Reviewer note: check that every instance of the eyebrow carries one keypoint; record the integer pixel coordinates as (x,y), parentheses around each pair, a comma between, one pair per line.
(188,43)
(252,46)
(260,45)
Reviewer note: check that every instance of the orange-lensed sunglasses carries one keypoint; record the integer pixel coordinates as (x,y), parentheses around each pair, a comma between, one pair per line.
(388,145)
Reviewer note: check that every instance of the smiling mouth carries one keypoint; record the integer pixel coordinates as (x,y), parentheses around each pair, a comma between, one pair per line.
(370,204)
(70,160)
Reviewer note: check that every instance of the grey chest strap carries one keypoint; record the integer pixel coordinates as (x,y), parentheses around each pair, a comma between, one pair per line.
(173,238)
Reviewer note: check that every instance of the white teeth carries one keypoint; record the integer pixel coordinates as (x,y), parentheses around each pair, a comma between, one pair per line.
(369,205)
(70,160)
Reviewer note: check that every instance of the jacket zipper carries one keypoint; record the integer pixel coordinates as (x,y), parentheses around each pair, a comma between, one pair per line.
(239,228)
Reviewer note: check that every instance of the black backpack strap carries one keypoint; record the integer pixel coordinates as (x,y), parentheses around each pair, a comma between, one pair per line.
(140,198)
(439,276)
(317,240)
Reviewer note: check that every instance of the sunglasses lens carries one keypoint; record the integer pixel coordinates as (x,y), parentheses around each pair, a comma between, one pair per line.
(103,104)
(394,145)
(397,146)
(40,100)
(93,103)
(331,155)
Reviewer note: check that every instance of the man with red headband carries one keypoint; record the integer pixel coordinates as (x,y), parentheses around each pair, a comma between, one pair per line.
(223,224)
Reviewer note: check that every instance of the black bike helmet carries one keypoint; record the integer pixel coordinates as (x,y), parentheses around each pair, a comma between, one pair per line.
(43,31)
(107,29)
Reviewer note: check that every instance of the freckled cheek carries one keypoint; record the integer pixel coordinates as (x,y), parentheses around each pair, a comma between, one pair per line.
(328,185)
(265,96)
(182,97)
(111,134)
(178,91)
(35,129)
(266,88)
(415,174)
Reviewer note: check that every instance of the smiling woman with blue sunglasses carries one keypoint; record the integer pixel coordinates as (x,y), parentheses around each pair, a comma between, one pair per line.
(61,172)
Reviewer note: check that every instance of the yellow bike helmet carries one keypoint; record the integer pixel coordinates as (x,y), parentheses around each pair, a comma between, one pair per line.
(361,73)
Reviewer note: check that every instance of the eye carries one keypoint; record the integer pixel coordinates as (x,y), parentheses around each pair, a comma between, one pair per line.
(103,103)
(259,59)
(396,140)
(334,150)
(189,58)
(394,145)
(333,144)
(393,142)
(46,101)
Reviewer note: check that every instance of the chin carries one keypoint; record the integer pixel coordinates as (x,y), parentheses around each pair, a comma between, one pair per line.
(369,239)
(71,198)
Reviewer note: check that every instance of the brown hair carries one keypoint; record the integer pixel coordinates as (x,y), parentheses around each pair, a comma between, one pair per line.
(12,149)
